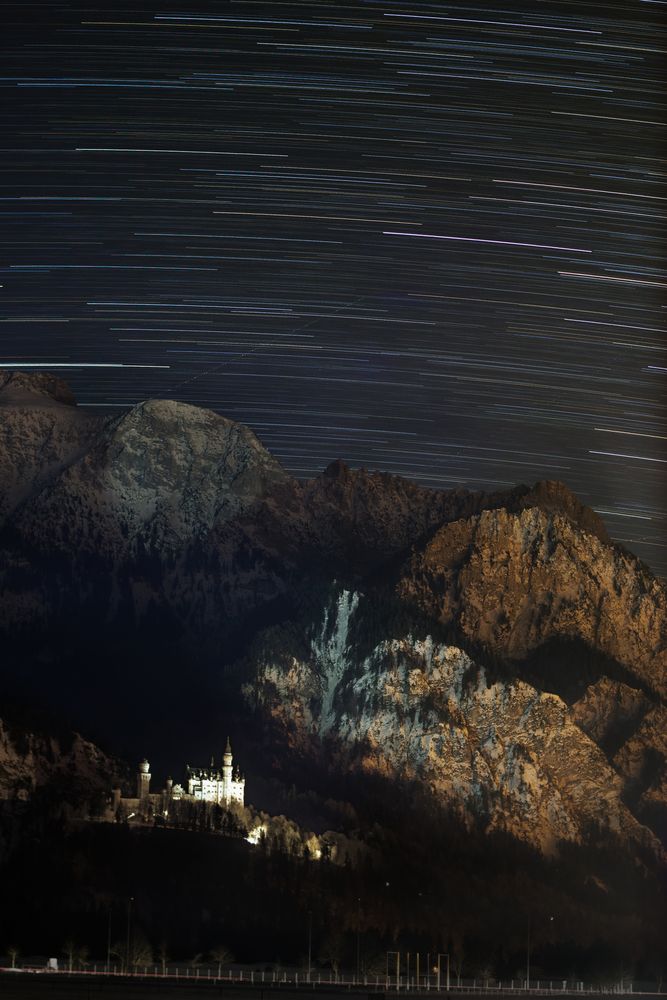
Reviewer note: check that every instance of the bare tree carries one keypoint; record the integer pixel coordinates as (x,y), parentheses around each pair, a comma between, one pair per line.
(223,956)
(69,950)
(142,952)
(163,956)
(457,957)
(331,952)
(119,951)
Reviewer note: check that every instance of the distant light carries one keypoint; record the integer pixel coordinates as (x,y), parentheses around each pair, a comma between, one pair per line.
(255,835)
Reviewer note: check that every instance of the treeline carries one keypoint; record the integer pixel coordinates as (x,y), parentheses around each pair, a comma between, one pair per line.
(424,882)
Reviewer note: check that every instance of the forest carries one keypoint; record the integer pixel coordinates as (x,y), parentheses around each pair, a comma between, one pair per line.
(412,878)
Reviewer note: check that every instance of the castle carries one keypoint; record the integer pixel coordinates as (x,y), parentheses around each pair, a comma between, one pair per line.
(221,785)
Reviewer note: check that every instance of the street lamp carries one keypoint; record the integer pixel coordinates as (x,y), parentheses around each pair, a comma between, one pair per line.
(109,941)
(358,937)
(129,932)
(310,941)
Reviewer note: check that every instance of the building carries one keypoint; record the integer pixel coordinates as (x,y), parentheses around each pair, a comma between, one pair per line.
(221,785)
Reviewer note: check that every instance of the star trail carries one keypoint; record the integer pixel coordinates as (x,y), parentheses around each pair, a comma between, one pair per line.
(426,238)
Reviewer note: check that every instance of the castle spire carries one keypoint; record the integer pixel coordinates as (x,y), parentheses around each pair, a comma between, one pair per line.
(143,779)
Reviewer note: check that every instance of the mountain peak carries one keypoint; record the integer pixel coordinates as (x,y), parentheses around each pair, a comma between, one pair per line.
(35,388)
(555,497)
(337,470)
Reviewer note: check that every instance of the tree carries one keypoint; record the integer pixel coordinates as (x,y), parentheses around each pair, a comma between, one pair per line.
(142,952)
(485,974)
(331,952)
(13,953)
(457,954)
(119,951)
(223,956)
(163,956)
(69,950)
(375,964)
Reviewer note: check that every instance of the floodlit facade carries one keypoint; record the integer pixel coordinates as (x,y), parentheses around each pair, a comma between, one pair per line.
(222,785)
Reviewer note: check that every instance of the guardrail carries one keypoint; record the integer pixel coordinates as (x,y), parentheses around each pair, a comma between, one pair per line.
(315,980)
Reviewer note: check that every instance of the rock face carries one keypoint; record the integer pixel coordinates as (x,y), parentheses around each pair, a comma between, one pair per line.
(164,473)
(29,760)
(170,535)
(419,710)
(609,711)
(513,581)
(41,433)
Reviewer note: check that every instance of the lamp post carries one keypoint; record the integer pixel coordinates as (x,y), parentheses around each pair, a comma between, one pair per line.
(310,942)
(129,933)
(358,937)
(109,941)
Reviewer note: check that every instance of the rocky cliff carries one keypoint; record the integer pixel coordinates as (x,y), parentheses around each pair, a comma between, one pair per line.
(29,760)
(416,709)
(513,581)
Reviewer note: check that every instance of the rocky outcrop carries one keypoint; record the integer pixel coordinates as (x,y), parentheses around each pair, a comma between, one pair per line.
(418,710)
(642,763)
(34,389)
(29,760)
(41,434)
(511,582)
(610,712)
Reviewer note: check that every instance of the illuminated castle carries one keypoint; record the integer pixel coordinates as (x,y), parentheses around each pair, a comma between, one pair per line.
(221,785)
(212,784)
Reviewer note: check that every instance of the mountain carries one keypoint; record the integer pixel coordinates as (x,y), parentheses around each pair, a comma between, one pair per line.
(163,577)
(162,474)
(420,710)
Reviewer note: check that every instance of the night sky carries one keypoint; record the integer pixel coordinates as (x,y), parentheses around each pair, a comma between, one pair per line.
(425,238)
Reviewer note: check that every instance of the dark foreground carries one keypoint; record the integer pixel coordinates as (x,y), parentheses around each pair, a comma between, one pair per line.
(24,986)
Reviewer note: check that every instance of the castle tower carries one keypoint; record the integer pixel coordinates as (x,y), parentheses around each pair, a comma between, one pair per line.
(227,772)
(143,779)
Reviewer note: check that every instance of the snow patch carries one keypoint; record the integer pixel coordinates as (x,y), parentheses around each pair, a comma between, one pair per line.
(330,649)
